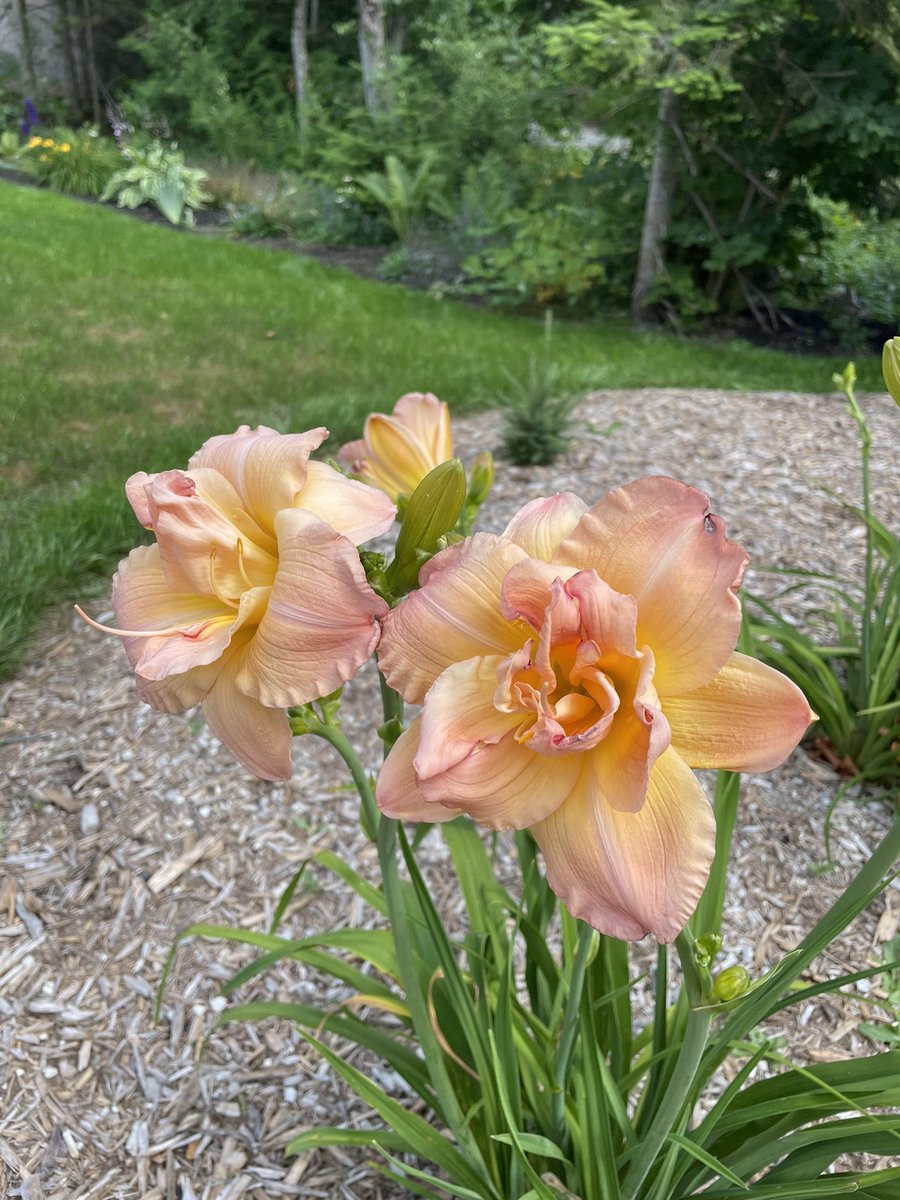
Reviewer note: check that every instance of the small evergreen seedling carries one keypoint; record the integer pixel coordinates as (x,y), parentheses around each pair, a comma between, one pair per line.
(538,415)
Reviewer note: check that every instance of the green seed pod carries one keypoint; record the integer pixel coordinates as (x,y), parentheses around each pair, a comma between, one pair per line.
(731,983)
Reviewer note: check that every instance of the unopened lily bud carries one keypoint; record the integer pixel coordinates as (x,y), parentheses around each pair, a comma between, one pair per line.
(433,510)
(890,366)
(731,983)
(481,478)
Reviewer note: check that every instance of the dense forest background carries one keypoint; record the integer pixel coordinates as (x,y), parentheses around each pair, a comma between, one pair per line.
(699,163)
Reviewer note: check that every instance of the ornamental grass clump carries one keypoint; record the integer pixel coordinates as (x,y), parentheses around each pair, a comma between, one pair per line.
(853,678)
(569,674)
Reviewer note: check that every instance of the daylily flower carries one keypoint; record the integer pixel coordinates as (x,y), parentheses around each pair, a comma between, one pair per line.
(571,672)
(253,597)
(396,452)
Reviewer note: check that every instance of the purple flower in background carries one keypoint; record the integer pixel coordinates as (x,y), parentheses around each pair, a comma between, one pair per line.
(117,122)
(31,118)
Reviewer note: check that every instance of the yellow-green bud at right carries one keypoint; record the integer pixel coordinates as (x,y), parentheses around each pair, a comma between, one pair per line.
(731,983)
(890,365)
(481,478)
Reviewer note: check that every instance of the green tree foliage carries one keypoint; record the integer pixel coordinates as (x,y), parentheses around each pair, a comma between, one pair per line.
(770,102)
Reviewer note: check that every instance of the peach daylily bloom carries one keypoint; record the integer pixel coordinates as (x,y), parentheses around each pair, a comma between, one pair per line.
(253,597)
(571,672)
(396,452)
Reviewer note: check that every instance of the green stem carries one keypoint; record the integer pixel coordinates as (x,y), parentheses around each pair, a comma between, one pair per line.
(865,437)
(708,918)
(670,1111)
(337,738)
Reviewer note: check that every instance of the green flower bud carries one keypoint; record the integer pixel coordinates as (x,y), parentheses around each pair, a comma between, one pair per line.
(481,478)
(433,510)
(731,983)
(890,366)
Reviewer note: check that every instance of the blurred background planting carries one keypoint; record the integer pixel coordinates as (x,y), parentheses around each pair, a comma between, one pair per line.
(705,165)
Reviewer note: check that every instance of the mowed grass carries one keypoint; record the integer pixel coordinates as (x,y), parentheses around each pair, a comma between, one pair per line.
(123,346)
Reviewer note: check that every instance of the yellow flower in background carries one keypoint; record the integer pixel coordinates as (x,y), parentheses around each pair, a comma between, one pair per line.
(48,142)
(35,141)
(396,452)
(65,147)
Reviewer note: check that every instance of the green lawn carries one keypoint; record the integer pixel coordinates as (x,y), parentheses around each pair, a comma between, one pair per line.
(124,345)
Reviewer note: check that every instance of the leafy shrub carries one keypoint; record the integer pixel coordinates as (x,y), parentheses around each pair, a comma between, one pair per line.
(310,211)
(79,164)
(158,176)
(405,195)
(547,260)
(852,274)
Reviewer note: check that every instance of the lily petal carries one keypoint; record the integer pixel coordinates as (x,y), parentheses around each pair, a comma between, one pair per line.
(632,873)
(266,468)
(143,600)
(354,509)
(453,616)
(400,458)
(397,793)
(656,540)
(259,737)
(429,419)
(541,525)
(460,714)
(749,718)
(321,622)
(505,785)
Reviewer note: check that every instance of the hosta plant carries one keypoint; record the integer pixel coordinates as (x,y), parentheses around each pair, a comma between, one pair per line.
(157,175)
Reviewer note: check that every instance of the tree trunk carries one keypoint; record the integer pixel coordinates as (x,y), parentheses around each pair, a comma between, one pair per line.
(25,44)
(300,55)
(657,210)
(70,71)
(373,54)
(89,60)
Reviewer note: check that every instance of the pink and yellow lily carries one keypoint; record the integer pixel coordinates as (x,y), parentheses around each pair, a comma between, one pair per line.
(253,597)
(396,452)
(571,672)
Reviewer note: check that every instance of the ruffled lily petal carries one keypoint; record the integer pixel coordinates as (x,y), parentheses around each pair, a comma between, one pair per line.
(321,623)
(397,792)
(357,511)
(460,714)
(656,540)
(206,542)
(541,525)
(749,718)
(639,735)
(453,616)
(505,785)
(259,737)
(192,630)
(266,468)
(632,873)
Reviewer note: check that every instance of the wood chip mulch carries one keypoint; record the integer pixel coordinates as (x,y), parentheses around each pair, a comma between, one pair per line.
(120,826)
